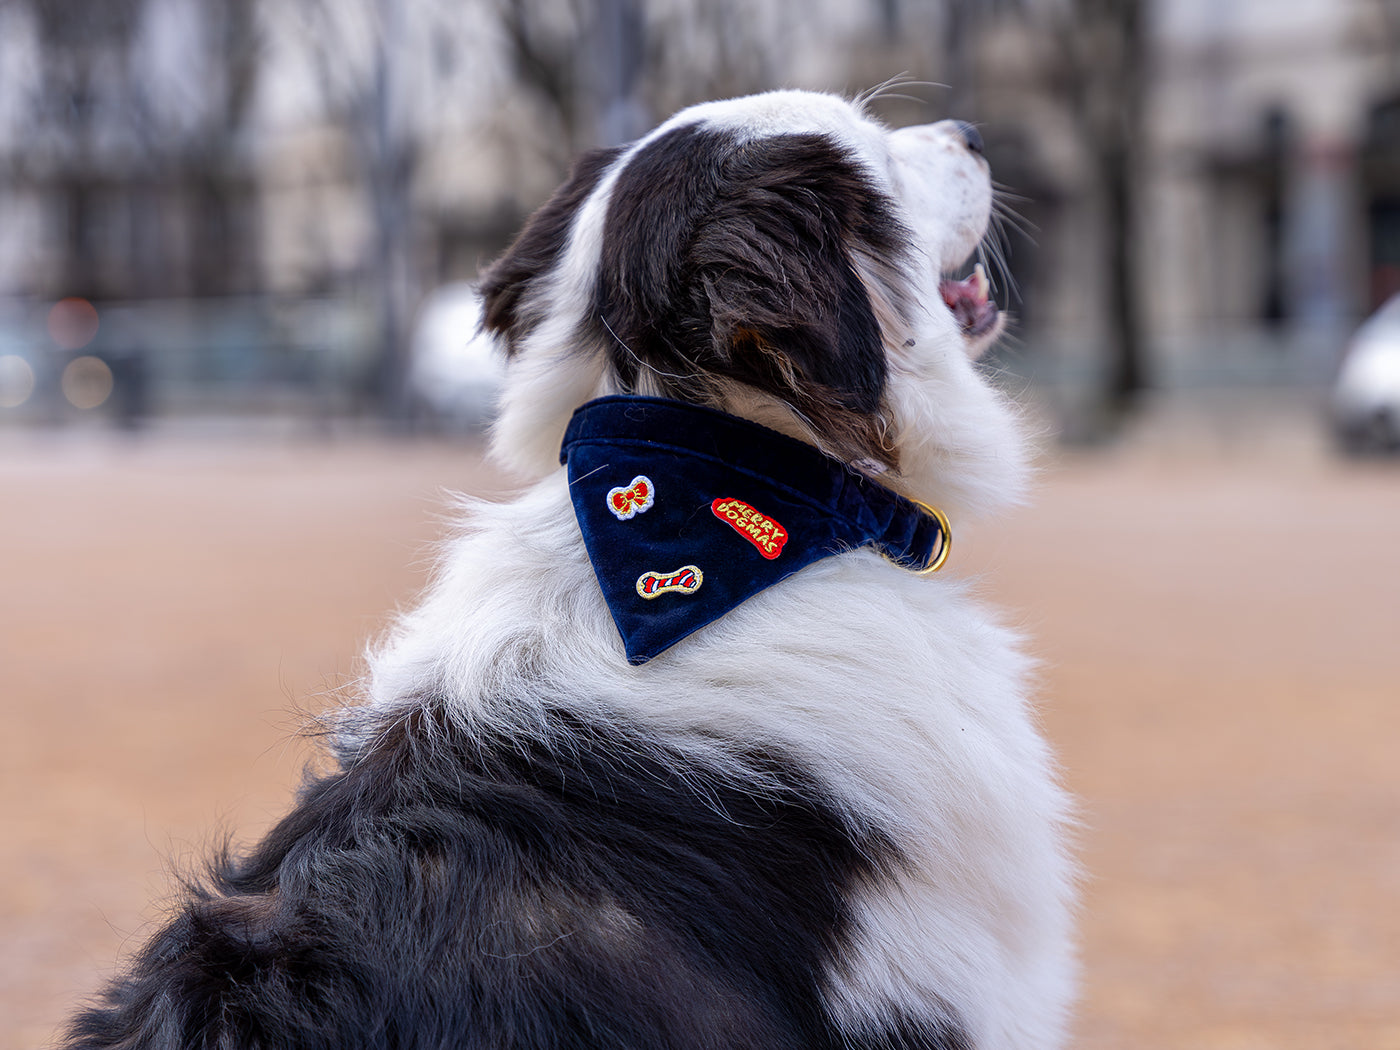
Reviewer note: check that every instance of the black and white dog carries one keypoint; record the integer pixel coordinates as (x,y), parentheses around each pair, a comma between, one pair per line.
(685,747)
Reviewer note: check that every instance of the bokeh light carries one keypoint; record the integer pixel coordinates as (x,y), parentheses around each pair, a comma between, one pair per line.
(16,380)
(87,382)
(73,323)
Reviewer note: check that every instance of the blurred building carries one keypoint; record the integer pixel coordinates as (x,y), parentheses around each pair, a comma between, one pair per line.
(297,174)
(1274,204)
(1267,172)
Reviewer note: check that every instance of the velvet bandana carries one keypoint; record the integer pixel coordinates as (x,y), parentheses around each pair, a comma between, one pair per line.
(687,512)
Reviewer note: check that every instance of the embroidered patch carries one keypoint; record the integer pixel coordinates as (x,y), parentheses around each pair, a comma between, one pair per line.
(626,501)
(758,528)
(685,580)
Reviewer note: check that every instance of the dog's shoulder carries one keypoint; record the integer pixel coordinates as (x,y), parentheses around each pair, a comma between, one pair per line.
(577,885)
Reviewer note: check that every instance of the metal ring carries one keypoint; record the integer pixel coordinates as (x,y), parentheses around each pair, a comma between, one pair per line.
(945,535)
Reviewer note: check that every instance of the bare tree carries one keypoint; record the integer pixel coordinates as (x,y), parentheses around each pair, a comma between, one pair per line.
(1107,70)
(124,152)
(75,38)
(357,50)
(224,250)
(1099,69)
(544,60)
(600,71)
(1386,16)
(1090,59)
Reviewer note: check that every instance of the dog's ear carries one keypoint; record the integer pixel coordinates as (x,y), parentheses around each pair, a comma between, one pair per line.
(787,305)
(537,300)
(728,260)
(507,287)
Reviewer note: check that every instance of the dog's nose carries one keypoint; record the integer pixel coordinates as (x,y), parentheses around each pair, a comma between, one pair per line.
(971,136)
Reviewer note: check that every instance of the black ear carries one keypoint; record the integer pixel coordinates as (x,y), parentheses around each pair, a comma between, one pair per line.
(736,260)
(778,268)
(507,285)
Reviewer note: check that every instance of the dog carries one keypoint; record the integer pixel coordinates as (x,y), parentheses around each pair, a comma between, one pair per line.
(695,743)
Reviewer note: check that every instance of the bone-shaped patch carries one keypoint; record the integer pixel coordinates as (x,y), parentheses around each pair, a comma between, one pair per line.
(631,499)
(685,580)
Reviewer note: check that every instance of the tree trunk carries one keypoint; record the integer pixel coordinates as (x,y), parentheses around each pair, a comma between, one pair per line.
(1125,375)
(1120,175)
(390,165)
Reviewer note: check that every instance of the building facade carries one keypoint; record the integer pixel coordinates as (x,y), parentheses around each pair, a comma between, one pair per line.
(222,149)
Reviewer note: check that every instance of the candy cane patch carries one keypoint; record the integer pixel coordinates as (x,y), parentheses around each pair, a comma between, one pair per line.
(685,580)
(758,528)
(634,498)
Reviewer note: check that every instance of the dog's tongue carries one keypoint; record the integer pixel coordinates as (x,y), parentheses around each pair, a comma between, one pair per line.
(968,300)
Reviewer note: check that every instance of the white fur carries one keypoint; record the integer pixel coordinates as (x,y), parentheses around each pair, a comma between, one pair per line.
(902,695)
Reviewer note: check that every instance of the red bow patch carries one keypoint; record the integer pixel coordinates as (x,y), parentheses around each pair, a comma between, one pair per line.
(629,500)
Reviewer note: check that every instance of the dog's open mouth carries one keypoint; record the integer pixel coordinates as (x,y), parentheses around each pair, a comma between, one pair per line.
(975,310)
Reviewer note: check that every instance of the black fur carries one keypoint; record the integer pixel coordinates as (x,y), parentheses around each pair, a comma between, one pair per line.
(737,258)
(730,261)
(439,891)
(507,285)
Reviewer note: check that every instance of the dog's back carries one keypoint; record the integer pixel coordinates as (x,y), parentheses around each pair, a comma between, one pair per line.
(445,892)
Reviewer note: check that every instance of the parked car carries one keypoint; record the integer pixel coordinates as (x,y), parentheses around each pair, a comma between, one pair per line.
(455,370)
(1366,396)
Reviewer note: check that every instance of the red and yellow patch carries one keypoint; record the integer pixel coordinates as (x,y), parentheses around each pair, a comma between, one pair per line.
(756,527)
(685,580)
(627,501)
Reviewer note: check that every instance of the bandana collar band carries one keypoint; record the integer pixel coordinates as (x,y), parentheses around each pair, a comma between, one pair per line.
(687,512)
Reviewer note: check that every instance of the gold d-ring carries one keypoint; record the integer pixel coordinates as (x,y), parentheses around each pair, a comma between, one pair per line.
(945,538)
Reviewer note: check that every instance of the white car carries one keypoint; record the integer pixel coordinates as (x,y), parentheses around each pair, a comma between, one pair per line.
(1366,396)
(455,370)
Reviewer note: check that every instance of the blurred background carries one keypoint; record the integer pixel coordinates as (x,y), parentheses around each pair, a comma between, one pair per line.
(238,370)
(246,206)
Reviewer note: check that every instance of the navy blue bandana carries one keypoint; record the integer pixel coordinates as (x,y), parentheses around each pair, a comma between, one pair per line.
(687,512)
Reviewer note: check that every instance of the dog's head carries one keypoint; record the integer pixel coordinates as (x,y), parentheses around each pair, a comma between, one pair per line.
(781,257)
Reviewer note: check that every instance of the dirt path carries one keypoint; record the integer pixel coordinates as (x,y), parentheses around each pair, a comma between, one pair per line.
(1222,678)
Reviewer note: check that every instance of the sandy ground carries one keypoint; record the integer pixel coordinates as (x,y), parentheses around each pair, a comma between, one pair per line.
(1219,628)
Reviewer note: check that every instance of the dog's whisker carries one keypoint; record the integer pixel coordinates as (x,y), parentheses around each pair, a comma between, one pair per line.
(993,252)
(901,96)
(1009,217)
(1006,192)
(886,89)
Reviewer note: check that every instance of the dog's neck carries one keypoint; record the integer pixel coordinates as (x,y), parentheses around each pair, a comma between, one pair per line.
(687,512)
(767,411)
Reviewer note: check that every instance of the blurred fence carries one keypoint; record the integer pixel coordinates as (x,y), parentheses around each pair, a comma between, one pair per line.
(255,354)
